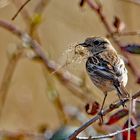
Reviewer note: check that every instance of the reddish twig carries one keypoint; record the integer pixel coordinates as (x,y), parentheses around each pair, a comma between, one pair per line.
(126,33)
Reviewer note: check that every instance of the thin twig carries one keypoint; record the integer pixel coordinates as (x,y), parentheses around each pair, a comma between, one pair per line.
(7,77)
(97,117)
(37,18)
(38,49)
(129,117)
(126,33)
(19,10)
(24,13)
(72,82)
(41,5)
(75,89)
(110,134)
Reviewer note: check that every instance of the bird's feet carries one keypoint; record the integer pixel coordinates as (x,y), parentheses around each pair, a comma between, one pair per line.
(123,103)
(101,120)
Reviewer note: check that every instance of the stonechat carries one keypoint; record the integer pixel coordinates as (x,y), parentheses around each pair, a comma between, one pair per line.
(105,67)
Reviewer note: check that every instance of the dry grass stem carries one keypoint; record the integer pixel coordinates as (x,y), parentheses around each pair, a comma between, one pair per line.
(7,77)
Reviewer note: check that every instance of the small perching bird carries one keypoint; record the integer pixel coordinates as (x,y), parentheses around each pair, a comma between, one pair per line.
(105,67)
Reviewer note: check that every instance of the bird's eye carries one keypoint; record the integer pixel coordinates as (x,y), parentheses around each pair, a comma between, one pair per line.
(96,42)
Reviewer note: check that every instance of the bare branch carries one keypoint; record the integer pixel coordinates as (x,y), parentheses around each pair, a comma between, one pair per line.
(41,5)
(24,12)
(72,82)
(19,10)
(97,117)
(126,33)
(110,134)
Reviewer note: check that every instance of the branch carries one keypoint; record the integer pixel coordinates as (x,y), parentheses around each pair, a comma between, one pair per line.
(108,135)
(72,82)
(8,74)
(98,10)
(37,48)
(97,117)
(41,5)
(37,19)
(75,87)
(126,33)
(25,14)
(19,10)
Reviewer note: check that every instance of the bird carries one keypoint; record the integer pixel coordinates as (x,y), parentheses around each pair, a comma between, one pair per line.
(105,67)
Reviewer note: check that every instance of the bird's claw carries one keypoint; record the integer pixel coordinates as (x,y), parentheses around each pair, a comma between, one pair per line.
(101,117)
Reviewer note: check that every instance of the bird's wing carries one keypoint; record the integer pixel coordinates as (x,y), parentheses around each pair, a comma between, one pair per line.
(108,70)
(102,67)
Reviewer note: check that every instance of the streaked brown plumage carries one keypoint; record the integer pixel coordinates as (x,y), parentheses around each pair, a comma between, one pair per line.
(105,67)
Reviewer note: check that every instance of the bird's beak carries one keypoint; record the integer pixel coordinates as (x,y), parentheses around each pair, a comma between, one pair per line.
(82,44)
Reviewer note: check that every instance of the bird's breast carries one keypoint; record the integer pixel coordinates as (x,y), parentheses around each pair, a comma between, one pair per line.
(109,64)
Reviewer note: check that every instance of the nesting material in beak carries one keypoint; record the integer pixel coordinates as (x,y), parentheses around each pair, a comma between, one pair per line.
(76,54)
(81,51)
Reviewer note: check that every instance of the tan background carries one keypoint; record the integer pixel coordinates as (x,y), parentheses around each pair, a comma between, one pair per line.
(64,24)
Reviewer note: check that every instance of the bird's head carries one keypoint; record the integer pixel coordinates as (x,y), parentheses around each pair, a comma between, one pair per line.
(97,44)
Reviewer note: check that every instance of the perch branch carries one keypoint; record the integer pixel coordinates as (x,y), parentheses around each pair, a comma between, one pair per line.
(98,10)
(97,117)
(109,135)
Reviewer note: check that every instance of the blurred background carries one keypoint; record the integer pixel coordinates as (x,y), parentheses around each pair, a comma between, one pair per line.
(29,103)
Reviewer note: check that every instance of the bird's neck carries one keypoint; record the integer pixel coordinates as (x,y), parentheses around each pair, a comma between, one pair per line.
(110,50)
